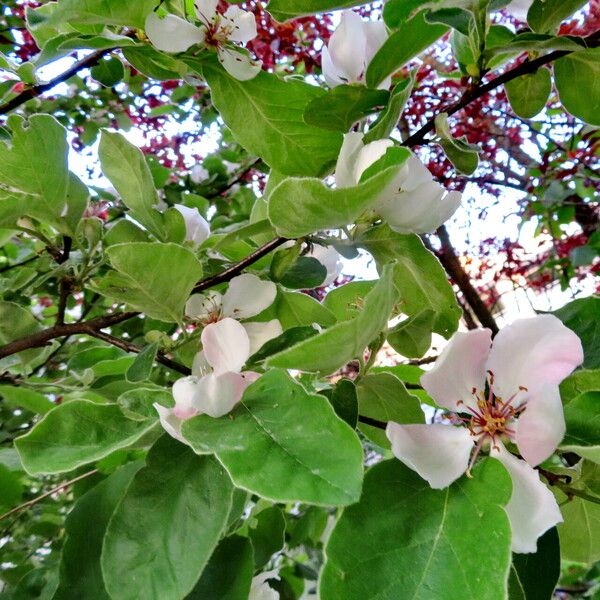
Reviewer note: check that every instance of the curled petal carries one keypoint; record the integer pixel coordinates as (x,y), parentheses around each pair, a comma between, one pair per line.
(369,154)
(197,228)
(170,422)
(459,370)
(345,175)
(247,296)
(238,63)
(541,427)
(347,48)
(218,394)
(330,72)
(184,391)
(172,33)
(438,453)
(376,34)
(241,23)
(331,259)
(531,352)
(532,508)
(226,345)
(260,333)
(200,366)
(416,174)
(201,307)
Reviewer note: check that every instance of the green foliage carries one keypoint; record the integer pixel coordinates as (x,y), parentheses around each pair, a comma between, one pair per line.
(529,93)
(394,544)
(282,10)
(582,317)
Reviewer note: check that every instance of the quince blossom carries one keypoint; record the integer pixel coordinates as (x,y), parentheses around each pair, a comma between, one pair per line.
(420,204)
(501,392)
(197,228)
(174,34)
(217,382)
(350,49)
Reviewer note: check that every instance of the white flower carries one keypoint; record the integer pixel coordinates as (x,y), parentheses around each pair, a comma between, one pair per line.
(197,228)
(219,31)
(420,205)
(519,8)
(522,370)
(261,590)
(198,173)
(350,49)
(330,258)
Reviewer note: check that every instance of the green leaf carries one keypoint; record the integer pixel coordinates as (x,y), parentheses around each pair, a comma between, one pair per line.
(577,79)
(108,72)
(228,574)
(288,338)
(344,341)
(534,576)
(419,278)
(103,12)
(300,206)
(397,12)
(294,309)
(27,399)
(405,540)
(529,93)
(347,301)
(342,106)
(579,382)
(546,15)
(80,572)
(305,272)
(344,400)
(389,117)
(11,488)
(154,278)
(138,403)
(155,64)
(266,116)
(464,156)
(283,10)
(128,171)
(583,317)
(284,444)
(583,426)
(77,433)
(34,178)
(408,41)
(141,368)
(267,532)
(382,396)
(167,525)
(412,337)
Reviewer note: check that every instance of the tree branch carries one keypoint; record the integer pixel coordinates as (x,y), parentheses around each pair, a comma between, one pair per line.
(37,90)
(528,66)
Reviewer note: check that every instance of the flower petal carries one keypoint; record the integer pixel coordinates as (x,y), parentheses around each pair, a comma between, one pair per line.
(347,47)
(170,422)
(376,34)
(226,345)
(260,589)
(218,394)
(242,24)
(203,306)
(459,369)
(438,453)
(345,175)
(200,366)
(172,33)
(197,228)
(531,352)
(247,296)
(206,10)
(329,70)
(532,508)
(541,427)
(238,63)
(519,8)
(369,154)
(184,390)
(331,259)
(260,333)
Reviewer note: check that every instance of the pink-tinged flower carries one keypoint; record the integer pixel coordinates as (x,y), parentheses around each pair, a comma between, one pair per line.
(501,392)
(197,228)
(350,49)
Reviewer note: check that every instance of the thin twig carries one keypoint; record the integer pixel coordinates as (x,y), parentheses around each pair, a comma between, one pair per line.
(54,490)
(372,422)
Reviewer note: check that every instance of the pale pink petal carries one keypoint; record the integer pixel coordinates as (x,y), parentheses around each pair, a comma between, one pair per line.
(370,154)
(347,47)
(459,370)
(218,394)
(172,33)
(438,453)
(197,228)
(226,345)
(532,508)
(247,296)
(238,63)
(260,333)
(241,23)
(200,366)
(541,427)
(184,390)
(203,306)
(531,352)
(376,34)
(330,72)
(345,174)
(170,422)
